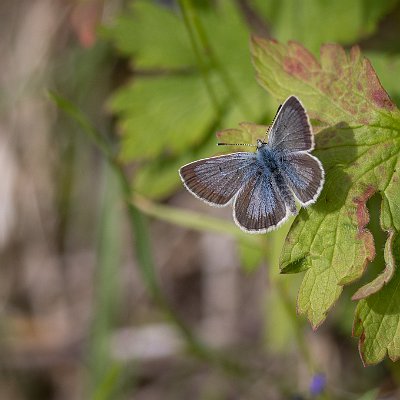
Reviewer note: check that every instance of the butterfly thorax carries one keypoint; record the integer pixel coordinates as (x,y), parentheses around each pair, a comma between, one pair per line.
(273,162)
(269,159)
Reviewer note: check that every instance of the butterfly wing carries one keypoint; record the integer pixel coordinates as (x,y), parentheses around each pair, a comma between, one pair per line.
(259,207)
(291,136)
(216,180)
(304,175)
(291,130)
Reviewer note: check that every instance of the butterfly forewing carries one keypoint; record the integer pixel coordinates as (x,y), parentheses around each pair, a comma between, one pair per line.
(216,180)
(304,175)
(291,130)
(259,207)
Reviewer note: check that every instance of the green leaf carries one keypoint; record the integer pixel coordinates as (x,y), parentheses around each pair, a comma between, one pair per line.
(359,149)
(158,116)
(377,323)
(377,319)
(153,36)
(165,113)
(315,22)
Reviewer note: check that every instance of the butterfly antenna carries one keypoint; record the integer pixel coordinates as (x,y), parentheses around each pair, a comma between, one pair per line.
(272,123)
(237,144)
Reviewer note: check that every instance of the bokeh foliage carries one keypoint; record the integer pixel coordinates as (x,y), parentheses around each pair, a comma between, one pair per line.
(167,114)
(160,124)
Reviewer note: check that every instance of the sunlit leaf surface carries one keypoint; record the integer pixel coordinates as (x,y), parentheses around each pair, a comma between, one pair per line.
(358,142)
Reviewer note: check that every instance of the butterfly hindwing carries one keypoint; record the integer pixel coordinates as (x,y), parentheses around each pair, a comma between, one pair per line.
(259,206)
(291,130)
(304,175)
(216,180)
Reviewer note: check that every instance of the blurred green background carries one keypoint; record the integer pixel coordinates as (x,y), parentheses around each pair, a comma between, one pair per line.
(115,283)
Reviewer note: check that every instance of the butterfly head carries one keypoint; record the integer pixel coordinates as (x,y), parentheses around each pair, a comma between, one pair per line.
(260,144)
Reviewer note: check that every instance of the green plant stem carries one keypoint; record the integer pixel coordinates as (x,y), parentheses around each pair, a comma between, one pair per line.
(297,325)
(299,334)
(290,306)
(272,257)
(70,109)
(192,220)
(103,375)
(204,70)
(194,26)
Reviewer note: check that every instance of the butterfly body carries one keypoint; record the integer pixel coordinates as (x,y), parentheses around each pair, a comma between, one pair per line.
(268,159)
(272,164)
(263,185)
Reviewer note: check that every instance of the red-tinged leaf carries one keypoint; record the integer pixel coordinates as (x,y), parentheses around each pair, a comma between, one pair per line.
(359,148)
(339,88)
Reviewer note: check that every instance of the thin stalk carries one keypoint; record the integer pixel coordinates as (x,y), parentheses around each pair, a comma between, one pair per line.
(272,254)
(70,109)
(194,25)
(301,341)
(193,220)
(104,373)
(297,326)
(204,70)
(290,309)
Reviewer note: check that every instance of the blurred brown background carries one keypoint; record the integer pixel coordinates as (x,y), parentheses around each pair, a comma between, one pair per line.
(77,321)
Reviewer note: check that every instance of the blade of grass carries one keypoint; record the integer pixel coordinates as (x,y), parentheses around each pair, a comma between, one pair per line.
(70,109)
(104,373)
(106,388)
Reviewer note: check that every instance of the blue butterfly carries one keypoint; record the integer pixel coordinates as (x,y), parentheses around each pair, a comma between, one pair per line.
(263,185)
